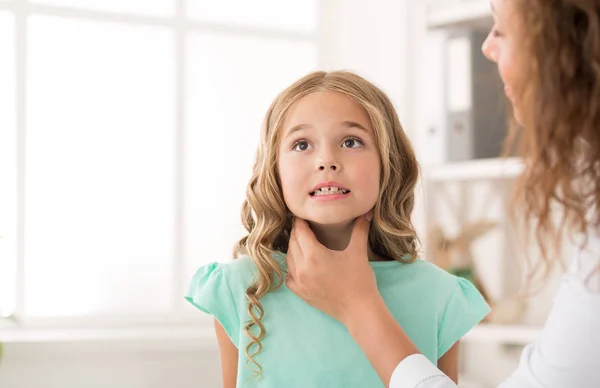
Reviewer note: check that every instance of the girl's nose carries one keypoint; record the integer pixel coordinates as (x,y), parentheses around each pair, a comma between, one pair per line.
(330,166)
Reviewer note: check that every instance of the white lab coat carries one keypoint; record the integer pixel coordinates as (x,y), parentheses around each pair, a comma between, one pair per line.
(567,352)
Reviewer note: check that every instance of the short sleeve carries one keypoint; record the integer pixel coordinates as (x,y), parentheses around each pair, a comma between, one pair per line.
(210,292)
(465,309)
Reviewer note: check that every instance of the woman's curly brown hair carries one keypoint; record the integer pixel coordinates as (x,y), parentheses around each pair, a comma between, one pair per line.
(560,59)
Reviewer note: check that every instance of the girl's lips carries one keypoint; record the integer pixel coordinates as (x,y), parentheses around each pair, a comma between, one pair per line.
(328,184)
(330,197)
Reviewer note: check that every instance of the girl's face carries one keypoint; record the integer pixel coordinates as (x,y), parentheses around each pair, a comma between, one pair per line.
(501,47)
(328,161)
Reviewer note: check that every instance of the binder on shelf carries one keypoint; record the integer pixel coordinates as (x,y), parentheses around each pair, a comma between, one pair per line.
(476,106)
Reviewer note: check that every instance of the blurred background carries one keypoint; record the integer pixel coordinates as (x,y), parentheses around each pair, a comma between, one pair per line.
(128,130)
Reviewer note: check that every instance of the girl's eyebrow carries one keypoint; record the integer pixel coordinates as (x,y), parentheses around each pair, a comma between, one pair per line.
(345,124)
(297,128)
(352,124)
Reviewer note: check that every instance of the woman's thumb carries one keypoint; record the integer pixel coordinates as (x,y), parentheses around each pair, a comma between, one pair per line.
(359,239)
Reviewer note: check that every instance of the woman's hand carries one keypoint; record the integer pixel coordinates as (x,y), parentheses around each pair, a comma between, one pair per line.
(342,284)
(338,283)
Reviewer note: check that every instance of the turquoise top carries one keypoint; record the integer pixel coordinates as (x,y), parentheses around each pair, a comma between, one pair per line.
(304,347)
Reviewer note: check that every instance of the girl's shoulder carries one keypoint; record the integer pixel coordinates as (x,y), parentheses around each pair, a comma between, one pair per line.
(425,279)
(241,265)
(419,271)
(244,264)
(430,271)
(238,273)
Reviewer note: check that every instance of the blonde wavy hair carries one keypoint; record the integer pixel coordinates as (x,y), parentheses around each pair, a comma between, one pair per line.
(559,59)
(268,220)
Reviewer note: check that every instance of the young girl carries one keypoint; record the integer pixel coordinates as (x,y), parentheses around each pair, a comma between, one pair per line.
(332,149)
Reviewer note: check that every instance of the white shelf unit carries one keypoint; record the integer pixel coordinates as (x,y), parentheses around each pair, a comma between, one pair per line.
(492,177)
(482,169)
(457,194)
(458,12)
(503,334)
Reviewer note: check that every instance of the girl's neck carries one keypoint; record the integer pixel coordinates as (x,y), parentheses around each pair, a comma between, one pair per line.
(334,237)
(337,238)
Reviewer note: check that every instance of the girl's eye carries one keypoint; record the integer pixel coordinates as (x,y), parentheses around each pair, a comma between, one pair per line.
(496,33)
(352,142)
(301,145)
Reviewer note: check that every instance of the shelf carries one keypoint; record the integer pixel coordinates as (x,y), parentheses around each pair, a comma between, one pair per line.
(503,334)
(457,13)
(473,170)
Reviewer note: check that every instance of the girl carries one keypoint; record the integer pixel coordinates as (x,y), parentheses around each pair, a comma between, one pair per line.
(548,56)
(332,149)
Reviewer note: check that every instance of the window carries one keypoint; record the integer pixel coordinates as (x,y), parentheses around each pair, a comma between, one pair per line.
(272,14)
(140,125)
(100,157)
(146,7)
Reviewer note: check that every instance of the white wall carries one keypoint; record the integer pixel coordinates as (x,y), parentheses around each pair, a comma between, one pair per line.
(378,40)
(370,38)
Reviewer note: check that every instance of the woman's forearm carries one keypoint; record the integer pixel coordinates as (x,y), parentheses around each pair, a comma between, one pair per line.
(379,336)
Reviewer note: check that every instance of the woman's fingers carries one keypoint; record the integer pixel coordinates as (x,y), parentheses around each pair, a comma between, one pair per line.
(305,237)
(359,240)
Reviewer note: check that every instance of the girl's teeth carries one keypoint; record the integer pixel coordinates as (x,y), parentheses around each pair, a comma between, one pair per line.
(330,190)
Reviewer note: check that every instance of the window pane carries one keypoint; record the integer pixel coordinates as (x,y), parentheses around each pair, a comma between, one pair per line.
(293,15)
(233,81)
(8,166)
(100,168)
(146,7)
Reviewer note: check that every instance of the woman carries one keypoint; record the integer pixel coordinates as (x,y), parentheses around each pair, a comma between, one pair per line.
(548,55)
